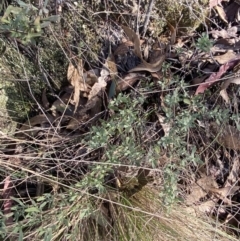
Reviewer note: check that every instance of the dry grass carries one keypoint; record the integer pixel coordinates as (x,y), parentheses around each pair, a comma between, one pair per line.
(59,193)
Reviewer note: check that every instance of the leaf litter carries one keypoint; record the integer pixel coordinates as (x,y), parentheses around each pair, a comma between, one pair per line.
(79,106)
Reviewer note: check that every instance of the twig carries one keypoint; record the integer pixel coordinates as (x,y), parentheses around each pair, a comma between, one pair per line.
(146,21)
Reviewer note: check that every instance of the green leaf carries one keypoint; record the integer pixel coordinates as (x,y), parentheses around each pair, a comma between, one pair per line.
(25,5)
(48,235)
(42,198)
(53,18)
(20,237)
(32,209)
(9,10)
(18,201)
(187,101)
(45,24)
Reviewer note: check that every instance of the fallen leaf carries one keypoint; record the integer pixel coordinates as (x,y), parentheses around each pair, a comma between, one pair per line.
(62,105)
(226,83)
(36,120)
(213,3)
(144,66)
(128,81)
(123,48)
(221,13)
(173,33)
(154,67)
(135,39)
(97,87)
(112,67)
(228,136)
(166,126)
(225,34)
(214,77)
(224,95)
(90,77)
(234,173)
(223,59)
(200,189)
(146,52)
(206,207)
(222,193)
(75,77)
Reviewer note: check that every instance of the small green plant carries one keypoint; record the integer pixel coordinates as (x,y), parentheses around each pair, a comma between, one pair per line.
(204,43)
(183,113)
(25,22)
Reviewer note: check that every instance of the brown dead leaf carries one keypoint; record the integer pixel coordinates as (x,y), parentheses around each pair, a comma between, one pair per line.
(77,120)
(112,67)
(144,66)
(90,77)
(226,83)
(206,207)
(200,189)
(173,33)
(36,120)
(62,105)
(214,77)
(128,81)
(97,87)
(109,69)
(227,136)
(76,79)
(222,193)
(123,48)
(221,13)
(146,52)
(150,67)
(225,34)
(223,59)
(166,126)
(234,174)
(213,3)
(135,39)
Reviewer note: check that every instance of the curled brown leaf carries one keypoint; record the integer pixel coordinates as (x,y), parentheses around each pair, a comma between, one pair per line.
(150,67)
(76,79)
(133,37)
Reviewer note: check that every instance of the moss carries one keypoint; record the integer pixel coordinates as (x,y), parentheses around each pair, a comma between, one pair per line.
(186,15)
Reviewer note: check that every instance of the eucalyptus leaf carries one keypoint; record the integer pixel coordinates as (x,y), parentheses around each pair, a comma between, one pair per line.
(25,5)
(45,24)
(32,210)
(9,10)
(53,18)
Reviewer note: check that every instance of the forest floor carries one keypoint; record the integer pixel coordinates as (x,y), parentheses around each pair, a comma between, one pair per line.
(120,120)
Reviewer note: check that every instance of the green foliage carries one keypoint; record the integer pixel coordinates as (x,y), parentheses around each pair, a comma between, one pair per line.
(25,22)
(204,43)
(118,137)
(183,113)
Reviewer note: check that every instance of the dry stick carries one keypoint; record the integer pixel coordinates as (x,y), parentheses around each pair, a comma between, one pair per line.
(146,21)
